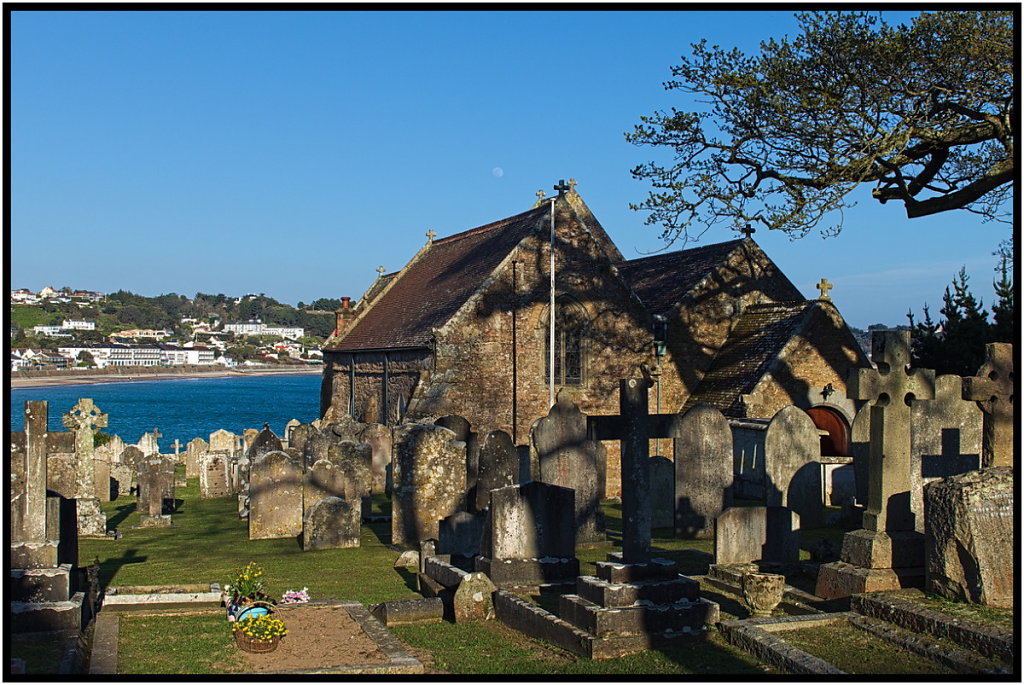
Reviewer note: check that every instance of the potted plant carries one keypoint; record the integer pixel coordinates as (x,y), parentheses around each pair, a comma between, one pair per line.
(259,634)
(244,595)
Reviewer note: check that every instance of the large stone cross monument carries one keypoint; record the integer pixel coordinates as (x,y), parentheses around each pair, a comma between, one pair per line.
(992,389)
(888,552)
(85,419)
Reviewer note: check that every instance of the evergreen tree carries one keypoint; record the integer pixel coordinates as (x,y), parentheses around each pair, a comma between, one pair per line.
(1004,312)
(956,344)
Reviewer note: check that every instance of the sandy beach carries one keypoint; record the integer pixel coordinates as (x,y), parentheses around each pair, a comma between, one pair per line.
(89,379)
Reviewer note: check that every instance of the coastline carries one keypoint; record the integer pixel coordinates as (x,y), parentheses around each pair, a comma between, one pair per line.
(79,379)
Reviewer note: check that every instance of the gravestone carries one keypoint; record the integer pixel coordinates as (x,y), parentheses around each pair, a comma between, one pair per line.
(992,389)
(85,419)
(322,479)
(463,433)
(125,469)
(429,482)
(288,428)
(224,441)
(460,535)
(107,456)
(299,435)
(356,477)
(568,459)
(156,492)
(316,448)
(30,547)
(888,553)
(792,470)
(529,537)
(663,491)
(275,497)
(213,475)
(263,442)
(498,466)
(345,428)
(149,443)
(62,463)
(945,440)
(331,523)
(970,537)
(378,437)
(748,534)
(195,448)
(860,450)
(703,470)
(248,437)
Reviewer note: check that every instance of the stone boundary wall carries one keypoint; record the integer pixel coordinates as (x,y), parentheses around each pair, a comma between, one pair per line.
(987,640)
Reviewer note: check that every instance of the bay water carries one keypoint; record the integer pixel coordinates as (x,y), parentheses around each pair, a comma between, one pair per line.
(184,408)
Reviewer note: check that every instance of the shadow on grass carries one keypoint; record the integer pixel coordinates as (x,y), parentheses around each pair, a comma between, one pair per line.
(408,577)
(382,529)
(110,566)
(123,512)
(704,656)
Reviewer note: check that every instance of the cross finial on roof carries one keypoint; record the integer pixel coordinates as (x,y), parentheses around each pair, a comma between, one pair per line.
(561,187)
(748,231)
(430,235)
(572,184)
(824,286)
(540,195)
(380,271)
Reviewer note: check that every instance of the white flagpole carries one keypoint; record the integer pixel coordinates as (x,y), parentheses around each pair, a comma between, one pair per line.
(551,307)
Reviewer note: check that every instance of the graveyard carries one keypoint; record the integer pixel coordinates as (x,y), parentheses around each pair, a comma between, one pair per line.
(426,548)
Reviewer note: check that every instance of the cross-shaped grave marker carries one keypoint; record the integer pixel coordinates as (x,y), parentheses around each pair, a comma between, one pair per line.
(992,389)
(891,389)
(85,419)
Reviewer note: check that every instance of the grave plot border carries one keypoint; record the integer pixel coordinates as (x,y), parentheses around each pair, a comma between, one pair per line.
(104,649)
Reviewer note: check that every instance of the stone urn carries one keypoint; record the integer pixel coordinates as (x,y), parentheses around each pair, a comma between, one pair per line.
(762,592)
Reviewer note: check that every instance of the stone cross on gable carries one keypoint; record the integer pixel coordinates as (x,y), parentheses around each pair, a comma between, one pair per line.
(992,389)
(380,271)
(572,184)
(824,286)
(891,389)
(540,195)
(747,231)
(561,187)
(430,235)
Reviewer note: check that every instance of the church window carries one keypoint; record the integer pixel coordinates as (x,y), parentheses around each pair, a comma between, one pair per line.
(570,344)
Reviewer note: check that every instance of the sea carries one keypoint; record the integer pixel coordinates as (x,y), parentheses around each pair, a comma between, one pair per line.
(182,409)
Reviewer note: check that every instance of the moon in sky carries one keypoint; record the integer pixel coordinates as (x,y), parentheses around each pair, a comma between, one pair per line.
(498,172)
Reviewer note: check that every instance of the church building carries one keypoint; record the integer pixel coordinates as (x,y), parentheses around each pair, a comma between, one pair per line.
(463,328)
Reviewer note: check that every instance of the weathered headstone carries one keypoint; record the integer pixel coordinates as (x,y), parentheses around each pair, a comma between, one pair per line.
(992,389)
(331,523)
(530,537)
(345,428)
(322,479)
(460,534)
(156,492)
(353,462)
(149,443)
(85,419)
(275,497)
(464,433)
(107,456)
(663,491)
(30,547)
(299,435)
(315,448)
(378,437)
(704,470)
(62,463)
(213,475)
(498,466)
(792,470)
(430,482)
(888,552)
(195,448)
(223,441)
(945,440)
(569,460)
(288,428)
(970,537)
(263,442)
(747,534)
(248,437)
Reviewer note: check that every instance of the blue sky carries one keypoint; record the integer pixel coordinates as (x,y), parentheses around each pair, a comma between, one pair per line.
(291,153)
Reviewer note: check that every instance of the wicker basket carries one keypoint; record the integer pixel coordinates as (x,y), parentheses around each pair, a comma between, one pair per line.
(248,644)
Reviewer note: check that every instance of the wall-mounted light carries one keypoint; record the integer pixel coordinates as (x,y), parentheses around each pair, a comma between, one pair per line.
(660,330)
(827,390)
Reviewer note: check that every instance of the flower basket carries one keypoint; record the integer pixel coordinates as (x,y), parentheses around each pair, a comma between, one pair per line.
(250,644)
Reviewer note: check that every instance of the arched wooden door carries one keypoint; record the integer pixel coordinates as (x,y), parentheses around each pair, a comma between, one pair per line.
(837,442)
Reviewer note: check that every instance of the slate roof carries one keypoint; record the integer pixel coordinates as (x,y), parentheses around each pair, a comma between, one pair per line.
(662,280)
(432,288)
(754,343)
